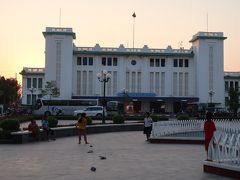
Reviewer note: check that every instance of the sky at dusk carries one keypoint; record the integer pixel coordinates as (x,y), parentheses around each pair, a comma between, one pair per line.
(159,23)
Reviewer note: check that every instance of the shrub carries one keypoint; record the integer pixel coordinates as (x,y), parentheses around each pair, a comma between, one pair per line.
(118,119)
(10,125)
(89,120)
(52,121)
(66,117)
(159,118)
(183,117)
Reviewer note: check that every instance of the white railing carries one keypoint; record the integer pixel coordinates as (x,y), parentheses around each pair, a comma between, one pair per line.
(223,148)
(165,128)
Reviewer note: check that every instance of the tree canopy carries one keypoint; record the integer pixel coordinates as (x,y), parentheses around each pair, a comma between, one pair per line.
(233,100)
(51,89)
(9,91)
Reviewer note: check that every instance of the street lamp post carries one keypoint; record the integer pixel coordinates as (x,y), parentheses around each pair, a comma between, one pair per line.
(211,94)
(104,77)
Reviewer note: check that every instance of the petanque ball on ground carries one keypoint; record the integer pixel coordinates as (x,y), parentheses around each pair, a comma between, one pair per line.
(93,169)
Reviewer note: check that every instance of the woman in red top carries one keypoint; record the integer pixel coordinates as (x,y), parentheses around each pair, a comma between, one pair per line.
(209,128)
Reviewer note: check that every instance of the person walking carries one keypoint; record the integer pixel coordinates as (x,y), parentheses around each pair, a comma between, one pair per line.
(81,125)
(209,129)
(147,125)
(46,128)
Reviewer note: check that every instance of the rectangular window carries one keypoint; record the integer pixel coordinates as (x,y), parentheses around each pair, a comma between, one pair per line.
(236,85)
(162,62)
(133,81)
(163,83)
(104,61)
(109,61)
(157,62)
(139,82)
(85,61)
(151,81)
(157,83)
(79,61)
(226,86)
(180,84)
(231,84)
(79,82)
(40,83)
(151,62)
(114,78)
(180,62)
(29,82)
(186,63)
(127,81)
(34,82)
(186,84)
(211,57)
(90,61)
(84,83)
(34,98)
(174,84)
(109,85)
(58,62)
(226,101)
(29,99)
(114,61)
(90,83)
(175,63)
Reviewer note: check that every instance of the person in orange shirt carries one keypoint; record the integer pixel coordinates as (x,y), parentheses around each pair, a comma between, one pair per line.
(81,125)
(34,128)
(209,129)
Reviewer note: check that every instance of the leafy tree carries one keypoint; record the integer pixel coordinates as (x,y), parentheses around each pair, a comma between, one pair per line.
(9,91)
(233,100)
(51,89)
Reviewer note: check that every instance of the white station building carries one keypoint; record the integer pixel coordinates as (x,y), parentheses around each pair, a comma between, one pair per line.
(159,80)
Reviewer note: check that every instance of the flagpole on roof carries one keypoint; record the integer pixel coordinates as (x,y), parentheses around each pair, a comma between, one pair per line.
(134,16)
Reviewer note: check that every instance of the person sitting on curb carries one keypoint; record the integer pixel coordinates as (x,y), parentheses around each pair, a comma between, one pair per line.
(34,129)
(46,128)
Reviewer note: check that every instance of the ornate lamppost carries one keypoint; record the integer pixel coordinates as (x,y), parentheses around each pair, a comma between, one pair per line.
(104,77)
(211,94)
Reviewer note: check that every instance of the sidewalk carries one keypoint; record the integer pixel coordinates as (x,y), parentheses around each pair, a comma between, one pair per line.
(128,155)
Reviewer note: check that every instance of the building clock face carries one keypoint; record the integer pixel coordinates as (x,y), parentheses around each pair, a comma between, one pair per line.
(133,62)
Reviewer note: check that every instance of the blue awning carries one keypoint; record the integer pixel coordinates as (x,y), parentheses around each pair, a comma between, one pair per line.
(144,97)
(136,94)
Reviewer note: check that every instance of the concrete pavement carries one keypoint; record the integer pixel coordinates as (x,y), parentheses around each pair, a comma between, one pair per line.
(128,155)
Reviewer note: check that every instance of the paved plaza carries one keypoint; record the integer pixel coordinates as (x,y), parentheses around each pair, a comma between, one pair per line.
(128,155)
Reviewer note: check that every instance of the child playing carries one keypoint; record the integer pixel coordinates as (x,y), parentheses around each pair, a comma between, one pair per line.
(81,125)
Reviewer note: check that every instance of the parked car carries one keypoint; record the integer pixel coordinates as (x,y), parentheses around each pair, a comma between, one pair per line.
(91,111)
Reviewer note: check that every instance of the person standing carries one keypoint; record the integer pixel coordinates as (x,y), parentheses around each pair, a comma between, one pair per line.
(46,128)
(147,125)
(209,129)
(81,125)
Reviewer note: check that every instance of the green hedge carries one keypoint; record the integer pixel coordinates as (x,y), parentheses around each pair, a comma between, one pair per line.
(183,117)
(52,121)
(89,120)
(118,119)
(159,118)
(10,125)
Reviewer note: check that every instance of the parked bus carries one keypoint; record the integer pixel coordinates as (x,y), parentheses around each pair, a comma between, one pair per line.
(62,107)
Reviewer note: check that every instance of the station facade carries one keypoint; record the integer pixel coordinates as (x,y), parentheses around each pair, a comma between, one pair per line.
(144,79)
